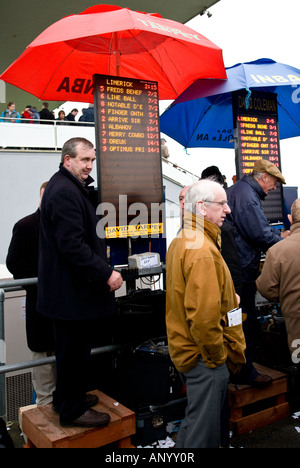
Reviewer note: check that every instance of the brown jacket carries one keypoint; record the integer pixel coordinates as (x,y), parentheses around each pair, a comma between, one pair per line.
(280,281)
(199,294)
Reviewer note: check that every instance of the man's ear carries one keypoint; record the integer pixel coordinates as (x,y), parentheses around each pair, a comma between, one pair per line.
(66,160)
(290,218)
(201,208)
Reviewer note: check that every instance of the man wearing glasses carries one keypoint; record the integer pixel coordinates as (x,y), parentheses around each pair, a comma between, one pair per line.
(203,319)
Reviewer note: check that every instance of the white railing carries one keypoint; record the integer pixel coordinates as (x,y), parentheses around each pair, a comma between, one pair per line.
(51,135)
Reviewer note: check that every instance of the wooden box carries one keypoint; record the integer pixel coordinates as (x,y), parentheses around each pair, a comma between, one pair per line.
(42,429)
(252,407)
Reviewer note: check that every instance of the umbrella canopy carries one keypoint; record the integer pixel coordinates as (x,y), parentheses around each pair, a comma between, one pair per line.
(202,115)
(105,39)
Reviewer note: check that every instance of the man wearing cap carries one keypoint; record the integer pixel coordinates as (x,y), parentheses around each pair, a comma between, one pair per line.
(253,235)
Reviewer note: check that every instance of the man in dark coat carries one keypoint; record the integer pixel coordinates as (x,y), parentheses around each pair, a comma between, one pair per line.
(71,116)
(253,235)
(88,115)
(22,262)
(76,283)
(45,114)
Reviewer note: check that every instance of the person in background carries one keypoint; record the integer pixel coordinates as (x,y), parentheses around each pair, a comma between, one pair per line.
(45,113)
(164,149)
(253,235)
(182,201)
(27,114)
(88,115)
(213,171)
(82,112)
(76,283)
(35,115)
(22,262)
(280,278)
(10,114)
(200,300)
(61,118)
(71,116)
(32,114)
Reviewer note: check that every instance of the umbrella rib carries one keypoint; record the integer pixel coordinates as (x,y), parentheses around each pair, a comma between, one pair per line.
(292,118)
(154,60)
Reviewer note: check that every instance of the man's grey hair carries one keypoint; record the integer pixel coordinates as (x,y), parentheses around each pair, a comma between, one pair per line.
(257,175)
(202,190)
(70,147)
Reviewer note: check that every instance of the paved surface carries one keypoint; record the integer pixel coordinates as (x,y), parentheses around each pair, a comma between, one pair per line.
(281,434)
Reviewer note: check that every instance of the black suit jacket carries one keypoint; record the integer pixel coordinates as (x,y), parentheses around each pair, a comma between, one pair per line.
(22,262)
(73,268)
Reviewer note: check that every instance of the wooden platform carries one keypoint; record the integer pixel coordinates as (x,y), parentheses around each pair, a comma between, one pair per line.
(42,429)
(251,408)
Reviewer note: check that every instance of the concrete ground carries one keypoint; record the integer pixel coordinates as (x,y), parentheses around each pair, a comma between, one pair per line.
(281,434)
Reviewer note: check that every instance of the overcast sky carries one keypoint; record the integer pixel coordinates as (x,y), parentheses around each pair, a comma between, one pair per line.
(248,30)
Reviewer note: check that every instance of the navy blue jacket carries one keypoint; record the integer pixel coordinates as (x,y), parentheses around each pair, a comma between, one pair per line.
(73,268)
(88,116)
(253,234)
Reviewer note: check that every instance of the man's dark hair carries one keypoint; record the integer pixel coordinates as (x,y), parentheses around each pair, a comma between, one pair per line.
(70,147)
(213,172)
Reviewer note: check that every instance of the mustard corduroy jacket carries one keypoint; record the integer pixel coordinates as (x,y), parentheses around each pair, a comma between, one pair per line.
(199,294)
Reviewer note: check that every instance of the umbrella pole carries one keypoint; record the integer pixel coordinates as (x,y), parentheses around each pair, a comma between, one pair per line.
(117,54)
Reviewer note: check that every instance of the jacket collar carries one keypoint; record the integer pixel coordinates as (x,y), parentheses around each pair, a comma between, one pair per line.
(194,222)
(79,183)
(255,185)
(295,228)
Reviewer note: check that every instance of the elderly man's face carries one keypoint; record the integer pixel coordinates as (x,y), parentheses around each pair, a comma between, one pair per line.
(216,210)
(268,183)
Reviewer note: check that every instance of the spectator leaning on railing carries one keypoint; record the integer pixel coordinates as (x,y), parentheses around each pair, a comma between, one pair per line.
(10,114)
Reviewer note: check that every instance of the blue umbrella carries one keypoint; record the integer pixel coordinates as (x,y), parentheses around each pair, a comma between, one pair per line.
(202,115)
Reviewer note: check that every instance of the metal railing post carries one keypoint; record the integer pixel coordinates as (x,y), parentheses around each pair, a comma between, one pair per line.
(2,357)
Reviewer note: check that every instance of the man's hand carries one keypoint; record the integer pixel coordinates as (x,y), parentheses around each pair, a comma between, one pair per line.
(115,281)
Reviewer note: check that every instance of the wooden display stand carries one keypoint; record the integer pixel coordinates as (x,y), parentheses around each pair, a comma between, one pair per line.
(42,429)
(251,408)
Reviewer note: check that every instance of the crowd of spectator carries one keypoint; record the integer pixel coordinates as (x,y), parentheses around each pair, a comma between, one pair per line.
(45,116)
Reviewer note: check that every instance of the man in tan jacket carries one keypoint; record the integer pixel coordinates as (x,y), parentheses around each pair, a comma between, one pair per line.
(280,279)
(204,322)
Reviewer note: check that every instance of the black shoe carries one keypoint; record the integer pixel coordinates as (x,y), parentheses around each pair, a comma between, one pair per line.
(90,418)
(89,401)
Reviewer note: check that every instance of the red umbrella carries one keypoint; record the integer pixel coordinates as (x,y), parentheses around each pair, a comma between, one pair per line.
(105,39)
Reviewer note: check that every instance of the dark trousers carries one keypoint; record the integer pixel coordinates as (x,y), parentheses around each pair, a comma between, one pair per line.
(72,349)
(250,328)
